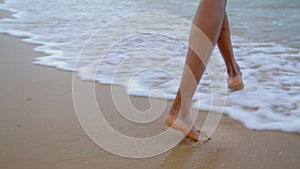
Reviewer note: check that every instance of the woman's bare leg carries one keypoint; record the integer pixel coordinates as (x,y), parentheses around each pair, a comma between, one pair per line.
(224,43)
(209,19)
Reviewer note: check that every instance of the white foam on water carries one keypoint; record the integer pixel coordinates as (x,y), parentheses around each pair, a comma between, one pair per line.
(151,65)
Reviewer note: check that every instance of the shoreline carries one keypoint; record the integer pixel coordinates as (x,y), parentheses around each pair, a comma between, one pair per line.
(39,126)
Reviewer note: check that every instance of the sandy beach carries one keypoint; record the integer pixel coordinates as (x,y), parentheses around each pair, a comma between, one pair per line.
(39,127)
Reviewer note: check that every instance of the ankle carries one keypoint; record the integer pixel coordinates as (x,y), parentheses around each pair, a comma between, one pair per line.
(234,71)
(177,112)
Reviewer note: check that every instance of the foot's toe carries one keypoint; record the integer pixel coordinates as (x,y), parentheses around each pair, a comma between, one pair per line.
(237,86)
(204,137)
(235,83)
(197,135)
(194,135)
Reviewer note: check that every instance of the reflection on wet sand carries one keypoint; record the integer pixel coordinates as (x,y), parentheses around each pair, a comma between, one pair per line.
(188,153)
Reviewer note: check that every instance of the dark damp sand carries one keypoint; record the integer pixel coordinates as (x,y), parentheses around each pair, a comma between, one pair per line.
(39,128)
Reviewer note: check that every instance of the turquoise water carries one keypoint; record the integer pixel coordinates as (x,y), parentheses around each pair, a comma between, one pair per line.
(265,35)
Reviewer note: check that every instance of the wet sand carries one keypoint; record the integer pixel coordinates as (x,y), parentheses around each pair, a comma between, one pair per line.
(39,127)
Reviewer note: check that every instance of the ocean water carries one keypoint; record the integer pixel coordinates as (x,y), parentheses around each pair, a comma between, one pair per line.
(265,35)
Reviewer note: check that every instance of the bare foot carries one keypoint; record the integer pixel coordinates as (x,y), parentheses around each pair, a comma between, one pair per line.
(185,126)
(236,83)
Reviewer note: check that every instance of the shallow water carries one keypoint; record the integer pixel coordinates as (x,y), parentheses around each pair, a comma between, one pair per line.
(264,33)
